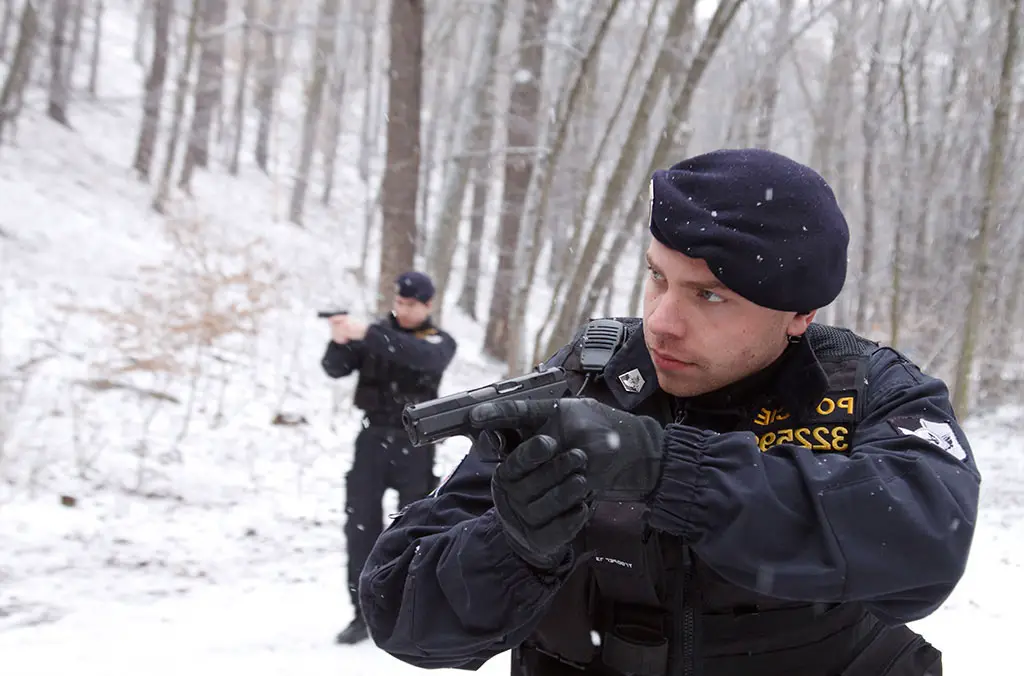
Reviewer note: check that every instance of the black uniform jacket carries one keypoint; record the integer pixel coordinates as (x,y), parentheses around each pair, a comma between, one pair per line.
(836,483)
(396,367)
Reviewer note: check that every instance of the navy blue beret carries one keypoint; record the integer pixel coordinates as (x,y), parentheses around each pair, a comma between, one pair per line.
(769,228)
(415,285)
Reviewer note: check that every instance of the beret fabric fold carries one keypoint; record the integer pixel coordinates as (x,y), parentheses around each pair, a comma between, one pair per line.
(769,228)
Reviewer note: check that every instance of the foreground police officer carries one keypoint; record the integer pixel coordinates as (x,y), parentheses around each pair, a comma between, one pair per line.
(400,360)
(755,494)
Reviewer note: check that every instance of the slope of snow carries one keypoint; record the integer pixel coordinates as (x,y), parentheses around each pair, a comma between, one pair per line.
(221,552)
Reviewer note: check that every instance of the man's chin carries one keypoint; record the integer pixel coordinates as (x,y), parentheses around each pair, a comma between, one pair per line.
(682,384)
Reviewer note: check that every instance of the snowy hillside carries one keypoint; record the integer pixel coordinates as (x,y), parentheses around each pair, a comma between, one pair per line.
(155,521)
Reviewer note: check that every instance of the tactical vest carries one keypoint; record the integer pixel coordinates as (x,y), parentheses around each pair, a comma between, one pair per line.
(641,605)
(385,387)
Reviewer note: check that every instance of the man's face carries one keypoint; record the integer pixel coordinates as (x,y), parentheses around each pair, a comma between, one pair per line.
(701,335)
(409,312)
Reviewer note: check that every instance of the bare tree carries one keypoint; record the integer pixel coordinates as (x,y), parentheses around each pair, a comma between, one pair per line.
(479,192)
(335,115)
(266,87)
(993,176)
(141,29)
(400,184)
(869,126)
(97,40)
(251,14)
(209,89)
(457,177)
(77,19)
(769,91)
(57,104)
(163,191)
(21,64)
(6,24)
(521,138)
(323,54)
(154,88)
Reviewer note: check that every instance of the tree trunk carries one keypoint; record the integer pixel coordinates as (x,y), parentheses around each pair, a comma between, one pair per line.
(154,89)
(400,184)
(323,54)
(141,29)
(520,140)
(536,203)
(587,187)
(21,65)
(871,119)
(993,177)
(368,137)
(6,24)
(456,179)
(770,82)
(57,103)
(97,40)
(77,19)
(163,191)
(266,87)
(251,11)
(478,200)
(339,72)
(209,89)
(625,175)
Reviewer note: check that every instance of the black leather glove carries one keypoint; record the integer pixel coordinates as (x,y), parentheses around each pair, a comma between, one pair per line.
(624,452)
(539,494)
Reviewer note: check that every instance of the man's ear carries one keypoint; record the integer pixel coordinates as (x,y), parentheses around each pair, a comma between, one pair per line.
(799,323)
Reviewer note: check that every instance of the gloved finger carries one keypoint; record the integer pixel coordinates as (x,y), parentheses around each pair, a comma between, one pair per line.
(571,492)
(564,527)
(543,479)
(512,413)
(528,456)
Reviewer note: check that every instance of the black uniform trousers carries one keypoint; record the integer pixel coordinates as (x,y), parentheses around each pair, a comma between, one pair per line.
(384,458)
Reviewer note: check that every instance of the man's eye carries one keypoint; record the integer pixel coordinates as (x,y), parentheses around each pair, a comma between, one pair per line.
(710,296)
(655,274)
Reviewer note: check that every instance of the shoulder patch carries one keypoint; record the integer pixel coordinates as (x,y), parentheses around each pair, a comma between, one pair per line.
(426,334)
(938,434)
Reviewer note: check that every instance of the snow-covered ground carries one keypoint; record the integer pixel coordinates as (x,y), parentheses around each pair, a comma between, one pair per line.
(221,551)
(121,585)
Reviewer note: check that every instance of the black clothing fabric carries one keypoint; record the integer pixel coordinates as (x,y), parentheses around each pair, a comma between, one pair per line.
(803,516)
(396,367)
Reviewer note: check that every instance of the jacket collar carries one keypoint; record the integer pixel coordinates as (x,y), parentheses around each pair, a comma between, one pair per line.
(393,323)
(792,381)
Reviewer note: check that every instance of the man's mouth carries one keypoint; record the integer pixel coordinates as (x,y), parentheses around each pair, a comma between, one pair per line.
(668,363)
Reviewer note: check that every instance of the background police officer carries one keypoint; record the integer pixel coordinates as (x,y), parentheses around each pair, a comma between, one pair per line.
(400,360)
(742,491)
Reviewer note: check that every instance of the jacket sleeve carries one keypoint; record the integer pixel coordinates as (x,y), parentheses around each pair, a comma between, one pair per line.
(888,523)
(340,360)
(430,353)
(442,588)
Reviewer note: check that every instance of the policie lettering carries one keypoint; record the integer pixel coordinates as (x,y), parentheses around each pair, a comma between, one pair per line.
(826,430)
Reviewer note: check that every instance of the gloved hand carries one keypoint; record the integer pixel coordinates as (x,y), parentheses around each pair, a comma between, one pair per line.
(624,453)
(539,494)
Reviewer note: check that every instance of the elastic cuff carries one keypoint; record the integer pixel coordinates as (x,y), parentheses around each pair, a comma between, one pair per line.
(676,506)
(547,577)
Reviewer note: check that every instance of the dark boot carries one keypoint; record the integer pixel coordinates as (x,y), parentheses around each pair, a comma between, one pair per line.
(355,632)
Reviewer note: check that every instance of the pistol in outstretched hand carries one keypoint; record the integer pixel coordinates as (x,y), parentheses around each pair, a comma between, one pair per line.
(439,419)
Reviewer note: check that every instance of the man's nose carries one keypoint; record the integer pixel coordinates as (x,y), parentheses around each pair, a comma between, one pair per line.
(668,318)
